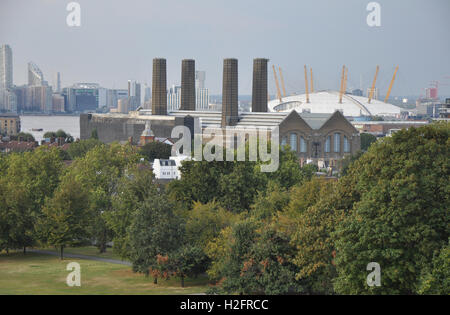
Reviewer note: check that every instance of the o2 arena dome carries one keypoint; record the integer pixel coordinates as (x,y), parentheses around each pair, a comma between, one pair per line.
(328,102)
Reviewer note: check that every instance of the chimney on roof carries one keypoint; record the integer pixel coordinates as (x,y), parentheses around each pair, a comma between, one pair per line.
(259,91)
(159,87)
(187,84)
(230,92)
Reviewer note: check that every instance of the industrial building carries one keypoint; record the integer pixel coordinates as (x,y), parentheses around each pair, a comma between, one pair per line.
(321,138)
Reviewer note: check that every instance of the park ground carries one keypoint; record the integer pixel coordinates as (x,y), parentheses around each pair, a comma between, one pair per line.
(35,273)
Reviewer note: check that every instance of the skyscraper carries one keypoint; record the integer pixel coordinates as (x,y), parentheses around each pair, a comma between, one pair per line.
(35,75)
(174,98)
(134,95)
(57,83)
(6,67)
(200,77)
(147,96)
(202,93)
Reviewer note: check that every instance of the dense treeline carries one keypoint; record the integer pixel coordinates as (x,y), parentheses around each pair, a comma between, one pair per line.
(285,232)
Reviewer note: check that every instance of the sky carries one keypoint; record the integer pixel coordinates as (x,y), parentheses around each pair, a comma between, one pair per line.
(118,39)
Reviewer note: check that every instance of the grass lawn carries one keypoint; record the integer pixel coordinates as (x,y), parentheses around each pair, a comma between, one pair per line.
(86,250)
(44,274)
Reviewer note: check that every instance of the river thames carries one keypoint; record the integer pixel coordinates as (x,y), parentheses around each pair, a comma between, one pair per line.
(70,124)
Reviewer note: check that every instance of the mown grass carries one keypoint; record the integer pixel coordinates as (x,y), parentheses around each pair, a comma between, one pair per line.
(44,274)
(86,250)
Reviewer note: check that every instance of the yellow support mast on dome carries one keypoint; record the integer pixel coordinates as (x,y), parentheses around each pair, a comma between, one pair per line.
(372,89)
(306,86)
(282,82)
(342,84)
(390,85)
(277,84)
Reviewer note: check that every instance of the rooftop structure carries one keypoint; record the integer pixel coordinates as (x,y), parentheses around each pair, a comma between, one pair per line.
(328,102)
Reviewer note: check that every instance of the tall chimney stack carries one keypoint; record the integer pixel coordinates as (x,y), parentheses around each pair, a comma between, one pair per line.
(259,92)
(230,92)
(187,84)
(159,87)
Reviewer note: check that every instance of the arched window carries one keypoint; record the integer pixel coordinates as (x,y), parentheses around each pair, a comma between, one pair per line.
(302,145)
(337,142)
(346,144)
(293,141)
(328,144)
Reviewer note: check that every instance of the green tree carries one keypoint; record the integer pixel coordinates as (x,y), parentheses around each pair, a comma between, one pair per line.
(99,171)
(156,150)
(437,280)
(205,221)
(80,148)
(199,182)
(27,180)
(366,140)
(154,231)
(399,217)
(24,136)
(65,216)
(132,191)
(270,201)
(289,172)
(187,261)
(235,193)
(309,220)
(253,259)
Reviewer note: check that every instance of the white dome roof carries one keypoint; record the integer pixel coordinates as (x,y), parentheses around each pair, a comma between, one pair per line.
(328,102)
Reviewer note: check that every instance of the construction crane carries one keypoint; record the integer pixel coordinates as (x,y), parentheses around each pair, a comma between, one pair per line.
(342,84)
(312,82)
(390,85)
(277,84)
(306,86)
(282,82)
(372,89)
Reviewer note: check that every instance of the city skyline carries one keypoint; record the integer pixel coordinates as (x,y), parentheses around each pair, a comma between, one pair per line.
(259,29)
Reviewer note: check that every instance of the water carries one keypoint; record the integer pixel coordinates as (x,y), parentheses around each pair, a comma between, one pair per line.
(70,124)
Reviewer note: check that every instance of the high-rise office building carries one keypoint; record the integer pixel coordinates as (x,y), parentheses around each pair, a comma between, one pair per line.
(134,95)
(202,99)
(200,77)
(113,96)
(9,102)
(147,96)
(82,97)
(147,93)
(174,98)
(57,83)
(35,75)
(6,67)
(201,93)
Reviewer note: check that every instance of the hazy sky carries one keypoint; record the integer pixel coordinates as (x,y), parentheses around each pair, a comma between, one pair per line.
(118,39)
